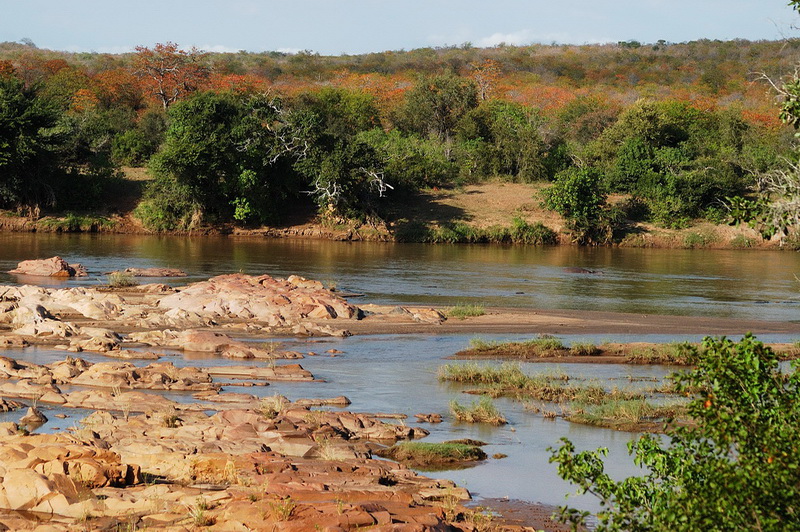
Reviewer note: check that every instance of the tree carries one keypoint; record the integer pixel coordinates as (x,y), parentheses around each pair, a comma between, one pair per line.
(344,172)
(170,72)
(229,155)
(735,467)
(27,144)
(436,104)
(486,75)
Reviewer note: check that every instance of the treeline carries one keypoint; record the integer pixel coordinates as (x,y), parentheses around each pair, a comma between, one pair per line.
(672,128)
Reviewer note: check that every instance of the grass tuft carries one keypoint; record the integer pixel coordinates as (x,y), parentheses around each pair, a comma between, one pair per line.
(121,280)
(425,455)
(481,411)
(463,311)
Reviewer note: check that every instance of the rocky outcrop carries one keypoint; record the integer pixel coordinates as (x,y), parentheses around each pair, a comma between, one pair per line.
(52,267)
(275,302)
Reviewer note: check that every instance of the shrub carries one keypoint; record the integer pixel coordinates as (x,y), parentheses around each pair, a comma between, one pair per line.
(734,468)
(433,455)
(121,280)
(578,196)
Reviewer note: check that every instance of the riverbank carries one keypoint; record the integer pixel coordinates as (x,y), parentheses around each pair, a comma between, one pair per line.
(484,212)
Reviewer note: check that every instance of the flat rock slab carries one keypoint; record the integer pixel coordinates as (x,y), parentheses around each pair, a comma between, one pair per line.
(154,272)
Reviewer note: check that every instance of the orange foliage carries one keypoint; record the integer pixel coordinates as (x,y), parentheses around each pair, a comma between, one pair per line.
(169,72)
(238,83)
(83,100)
(767,119)
(388,90)
(119,87)
(486,74)
(546,97)
(7,68)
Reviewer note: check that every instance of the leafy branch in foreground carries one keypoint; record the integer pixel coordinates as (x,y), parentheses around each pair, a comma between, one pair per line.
(737,467)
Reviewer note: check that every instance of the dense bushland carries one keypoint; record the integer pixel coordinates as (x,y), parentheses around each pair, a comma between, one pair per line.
(674,129)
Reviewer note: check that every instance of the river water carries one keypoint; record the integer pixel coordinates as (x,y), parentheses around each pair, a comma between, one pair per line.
(749,284)
(391,373)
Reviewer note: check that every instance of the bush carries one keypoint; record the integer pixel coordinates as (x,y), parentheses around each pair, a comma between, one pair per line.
(167,206)
(121,280)
(735,467)
(579,197)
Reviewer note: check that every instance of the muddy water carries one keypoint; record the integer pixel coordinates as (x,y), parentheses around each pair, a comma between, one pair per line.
(723,283)
(398,373)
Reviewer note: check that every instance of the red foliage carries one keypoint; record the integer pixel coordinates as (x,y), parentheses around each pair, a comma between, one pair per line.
(169,72)
(119,87)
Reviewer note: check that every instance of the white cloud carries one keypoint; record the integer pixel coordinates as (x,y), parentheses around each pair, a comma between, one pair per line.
(289,50)
(514,38)
(219,48)
(523,37)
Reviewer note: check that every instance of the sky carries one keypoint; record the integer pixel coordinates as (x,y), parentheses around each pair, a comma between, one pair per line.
(334,27)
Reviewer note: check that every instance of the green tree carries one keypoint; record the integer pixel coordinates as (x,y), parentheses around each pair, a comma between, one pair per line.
(231,154)
(504,139)
(344,172)
(435,105)
(735,467)
(28,144)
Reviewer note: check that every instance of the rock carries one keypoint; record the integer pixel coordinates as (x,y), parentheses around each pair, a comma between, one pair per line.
(335,401)
(7,405)
(52,267)
(427,315)
(33,417)
(429,418)
(25,488)
(274,302)
(155,272)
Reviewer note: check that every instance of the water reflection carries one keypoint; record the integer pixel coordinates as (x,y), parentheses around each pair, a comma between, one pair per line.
(723,283)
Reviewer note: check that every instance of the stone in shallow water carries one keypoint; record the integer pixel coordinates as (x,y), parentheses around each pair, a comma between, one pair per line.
(52,267)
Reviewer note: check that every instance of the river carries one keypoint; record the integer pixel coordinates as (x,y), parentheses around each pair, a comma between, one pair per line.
(386,373)
(752,284)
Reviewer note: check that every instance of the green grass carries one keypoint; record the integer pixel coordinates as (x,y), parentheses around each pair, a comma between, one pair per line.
(510,380)
(676,353)
(73,223)
(481,411)
(520,232)
(624,414)
(699,240)
(541,346)
(584,349)
(430,455)
(463,311)
(742,242)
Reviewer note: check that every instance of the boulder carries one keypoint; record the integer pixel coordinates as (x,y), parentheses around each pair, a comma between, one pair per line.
(52,267)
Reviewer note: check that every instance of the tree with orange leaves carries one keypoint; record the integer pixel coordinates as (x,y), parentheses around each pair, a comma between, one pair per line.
(485,75)
(169,71)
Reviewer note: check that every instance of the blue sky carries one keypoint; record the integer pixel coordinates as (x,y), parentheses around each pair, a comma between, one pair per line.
(333,27)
